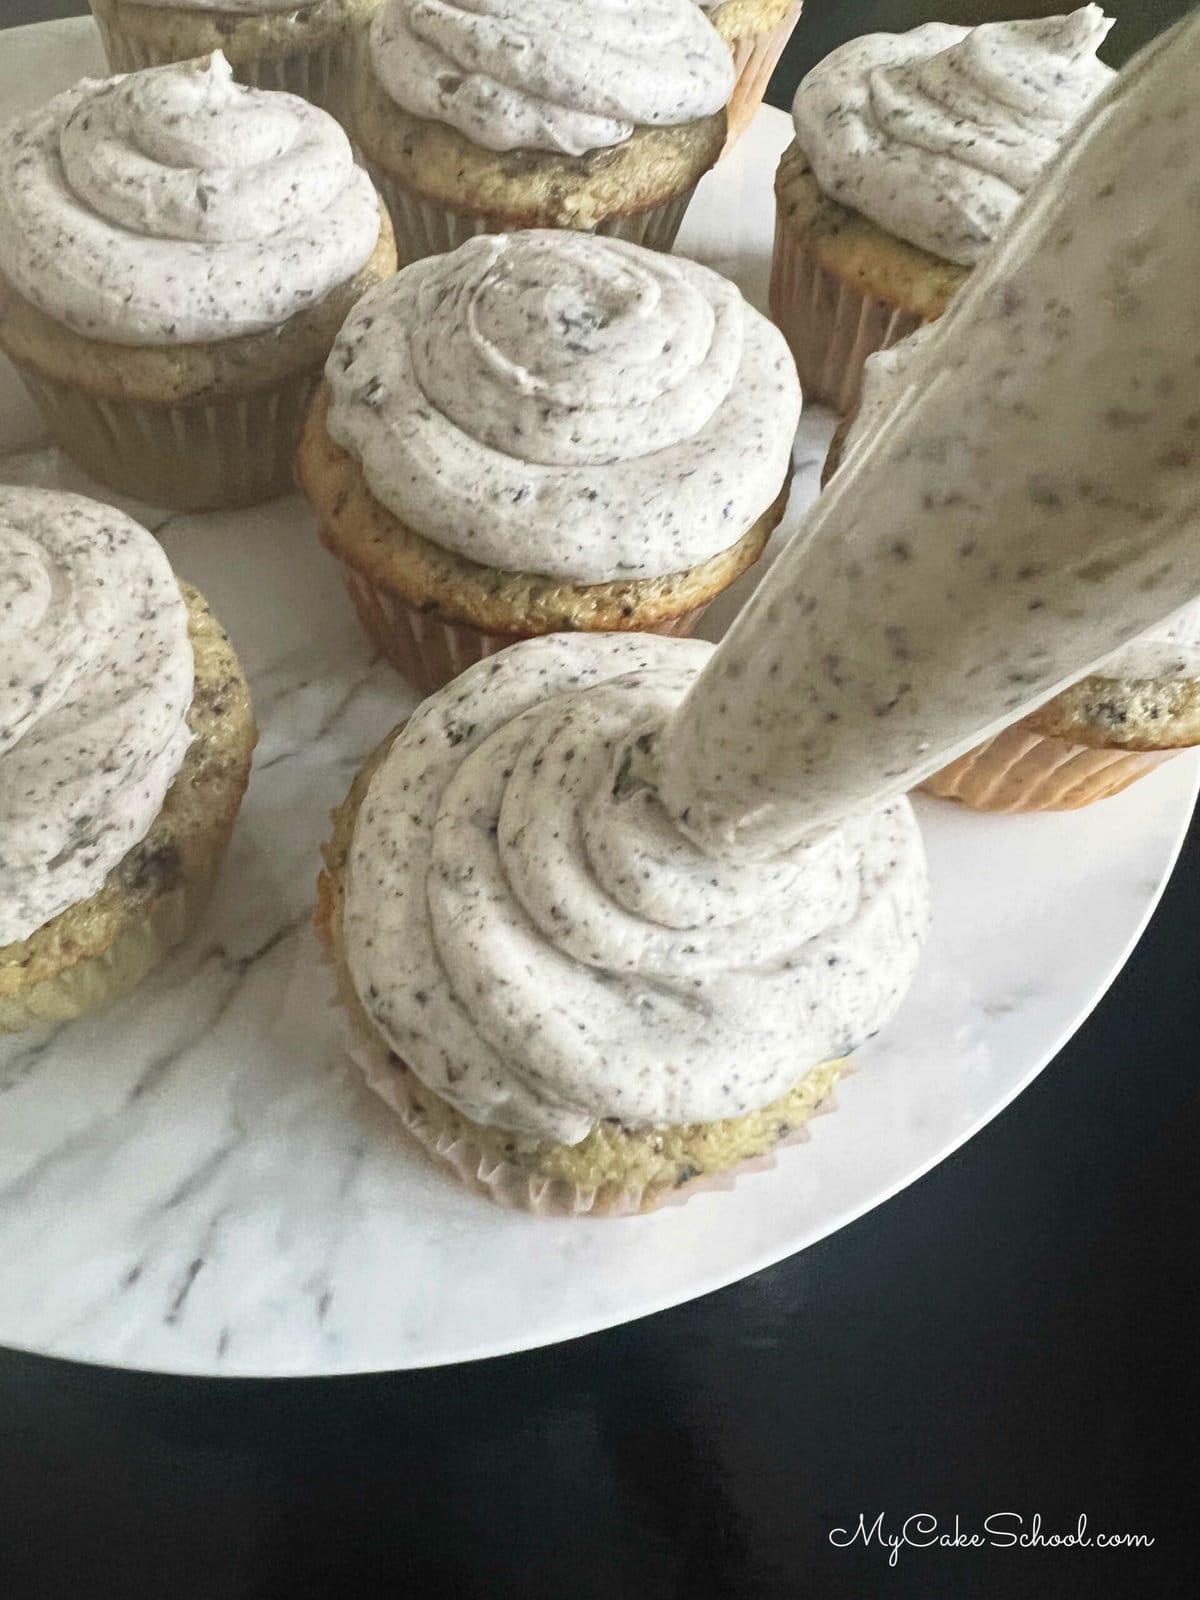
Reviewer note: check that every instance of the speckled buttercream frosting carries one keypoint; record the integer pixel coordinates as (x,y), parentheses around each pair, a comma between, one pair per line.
(553,403)
(936,134)
(175,206)
(555,75)
(1026,504)
(97,678)
(527,929)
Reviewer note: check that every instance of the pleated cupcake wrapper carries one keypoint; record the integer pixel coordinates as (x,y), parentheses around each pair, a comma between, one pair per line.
(429,651)
(425,228)
(235,451)
(830,326)
(755,58)
(507,1184)
(1020,770)
(96,982)
(324,74)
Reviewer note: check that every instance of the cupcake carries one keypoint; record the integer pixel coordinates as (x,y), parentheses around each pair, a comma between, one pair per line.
(176,255)
(756,31)
(545,432)
(911,153)
(125,742)
(484,116)
(311,50)
(1093,739)
(567,1003)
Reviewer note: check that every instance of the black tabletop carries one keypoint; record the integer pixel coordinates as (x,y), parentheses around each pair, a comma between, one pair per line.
(1009,1339)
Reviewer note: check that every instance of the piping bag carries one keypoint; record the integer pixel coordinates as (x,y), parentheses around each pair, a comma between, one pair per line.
(1027,501)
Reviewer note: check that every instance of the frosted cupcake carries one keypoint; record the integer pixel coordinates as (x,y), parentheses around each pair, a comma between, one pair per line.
(756,31)
(176,255)
(912,151)
(125,741)
(1095,738)
(568,1003)
(483,116)
(310,50)
(546,432)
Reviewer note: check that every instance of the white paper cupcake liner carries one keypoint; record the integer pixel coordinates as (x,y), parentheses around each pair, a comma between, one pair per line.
(428,651)
(425,228)
(830,326)
(506,1184)
(235,451)
(755,57)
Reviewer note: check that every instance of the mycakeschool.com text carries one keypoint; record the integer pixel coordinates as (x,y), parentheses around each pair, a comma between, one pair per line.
(1000,1530)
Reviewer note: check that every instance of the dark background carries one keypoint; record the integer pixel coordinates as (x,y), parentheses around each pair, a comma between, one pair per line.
(1016,1332)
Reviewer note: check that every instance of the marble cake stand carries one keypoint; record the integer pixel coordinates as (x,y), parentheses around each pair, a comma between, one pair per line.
(197,1183)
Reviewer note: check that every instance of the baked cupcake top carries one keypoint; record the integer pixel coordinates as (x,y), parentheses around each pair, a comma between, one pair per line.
(97,681)
(528,930)
(556,403)
(559,75)
(174,206)
(936,134)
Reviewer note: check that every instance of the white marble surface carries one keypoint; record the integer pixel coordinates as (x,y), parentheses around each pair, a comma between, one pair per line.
(197,1182)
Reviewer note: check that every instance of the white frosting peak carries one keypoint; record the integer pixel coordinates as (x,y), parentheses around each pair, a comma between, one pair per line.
(174,205)
(557,403)
(96,677)
(937,133)
(561,75)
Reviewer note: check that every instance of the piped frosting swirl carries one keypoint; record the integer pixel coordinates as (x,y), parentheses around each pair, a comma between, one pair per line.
(175,206)
(559,75)
(529,931)
(551,402)
(936,134)
(96,677)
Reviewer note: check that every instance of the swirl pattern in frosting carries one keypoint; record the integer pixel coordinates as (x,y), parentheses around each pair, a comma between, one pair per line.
(96,677)
(556,403)
(175,206)
(936,134)
(529,931)
(561,75)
